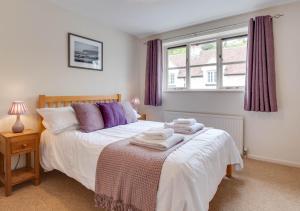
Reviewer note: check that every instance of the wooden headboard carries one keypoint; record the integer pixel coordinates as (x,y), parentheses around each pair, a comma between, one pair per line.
(61,101)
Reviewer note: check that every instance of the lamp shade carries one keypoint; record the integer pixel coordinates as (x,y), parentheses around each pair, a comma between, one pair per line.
(17,108)
(135,101)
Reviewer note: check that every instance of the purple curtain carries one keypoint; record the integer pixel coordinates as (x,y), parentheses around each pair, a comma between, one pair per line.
(260,93)
(153,82)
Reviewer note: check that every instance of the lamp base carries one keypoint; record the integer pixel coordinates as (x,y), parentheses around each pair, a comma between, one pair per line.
(18,127)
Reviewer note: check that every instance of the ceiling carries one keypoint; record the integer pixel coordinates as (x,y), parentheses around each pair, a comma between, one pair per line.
(147,17)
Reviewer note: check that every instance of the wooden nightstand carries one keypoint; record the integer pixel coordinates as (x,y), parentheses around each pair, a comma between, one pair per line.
(12,144)
(143,117)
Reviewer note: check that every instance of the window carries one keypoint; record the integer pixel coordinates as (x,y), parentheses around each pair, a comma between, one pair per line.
(177,67)
(203,64)
(219,63)
(211,77)
(234,61)
(172,78)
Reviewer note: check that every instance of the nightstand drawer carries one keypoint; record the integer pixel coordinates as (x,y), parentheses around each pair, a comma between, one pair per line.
(25,145)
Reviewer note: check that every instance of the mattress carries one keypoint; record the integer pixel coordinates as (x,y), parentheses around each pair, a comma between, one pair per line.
(190,175)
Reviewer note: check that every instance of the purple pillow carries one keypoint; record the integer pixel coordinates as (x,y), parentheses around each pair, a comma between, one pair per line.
(113,114)
(89,117)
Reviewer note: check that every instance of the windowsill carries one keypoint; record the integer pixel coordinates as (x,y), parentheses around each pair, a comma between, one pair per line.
(203,90)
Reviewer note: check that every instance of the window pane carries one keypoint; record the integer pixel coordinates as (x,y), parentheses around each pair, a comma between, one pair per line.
(201,54)
(234,75)
(203,77)
(177,57)
(176,78)
(235,49)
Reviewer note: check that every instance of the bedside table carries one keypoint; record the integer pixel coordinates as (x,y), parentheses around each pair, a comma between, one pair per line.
(12,144)
(143,117)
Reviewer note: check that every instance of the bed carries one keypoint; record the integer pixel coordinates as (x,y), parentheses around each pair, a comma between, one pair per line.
(190,175)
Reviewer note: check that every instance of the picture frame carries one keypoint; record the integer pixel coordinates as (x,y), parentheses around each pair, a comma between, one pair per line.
(85,53)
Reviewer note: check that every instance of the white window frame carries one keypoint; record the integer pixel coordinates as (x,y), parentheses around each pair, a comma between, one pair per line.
(211,75)
(172,79)
(200,40)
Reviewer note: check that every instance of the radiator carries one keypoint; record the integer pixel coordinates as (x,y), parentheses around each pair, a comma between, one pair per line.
(232,124)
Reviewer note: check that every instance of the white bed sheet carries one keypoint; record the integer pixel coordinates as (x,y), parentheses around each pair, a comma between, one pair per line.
(190,175)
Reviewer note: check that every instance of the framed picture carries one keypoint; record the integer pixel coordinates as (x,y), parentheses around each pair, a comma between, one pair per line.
(85,53)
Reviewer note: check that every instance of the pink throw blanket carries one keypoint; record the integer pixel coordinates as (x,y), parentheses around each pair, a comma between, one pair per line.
(127,176)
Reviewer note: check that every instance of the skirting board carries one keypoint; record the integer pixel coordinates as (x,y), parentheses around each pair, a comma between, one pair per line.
(270,160)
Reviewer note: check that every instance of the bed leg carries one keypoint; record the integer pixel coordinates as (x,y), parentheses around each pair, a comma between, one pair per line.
(229,171)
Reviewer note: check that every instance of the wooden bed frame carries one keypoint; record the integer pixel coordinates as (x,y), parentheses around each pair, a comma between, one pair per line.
(45,101)
(61,101)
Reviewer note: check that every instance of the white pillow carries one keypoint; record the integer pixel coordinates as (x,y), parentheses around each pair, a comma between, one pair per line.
(73,127)
(58,120)
(130,113)
(137,114)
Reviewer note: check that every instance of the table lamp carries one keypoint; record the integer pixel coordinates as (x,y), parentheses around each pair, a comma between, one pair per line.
(17,108)
(135,102)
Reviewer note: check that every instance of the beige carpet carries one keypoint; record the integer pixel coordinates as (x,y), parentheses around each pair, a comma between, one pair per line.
(260,186)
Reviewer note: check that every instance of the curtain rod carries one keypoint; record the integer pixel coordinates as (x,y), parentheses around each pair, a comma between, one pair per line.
(212,29)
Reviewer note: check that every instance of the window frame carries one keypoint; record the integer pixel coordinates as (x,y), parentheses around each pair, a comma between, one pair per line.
(172,79)
(166,68)
(230,63)
(219,62)
(211,77)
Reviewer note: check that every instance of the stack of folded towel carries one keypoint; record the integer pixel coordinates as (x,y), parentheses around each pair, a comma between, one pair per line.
(185,126)
(157,138)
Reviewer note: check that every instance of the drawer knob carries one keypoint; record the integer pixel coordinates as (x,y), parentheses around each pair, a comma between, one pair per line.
(24,145)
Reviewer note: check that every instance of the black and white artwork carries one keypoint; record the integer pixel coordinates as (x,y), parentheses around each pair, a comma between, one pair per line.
(85,53)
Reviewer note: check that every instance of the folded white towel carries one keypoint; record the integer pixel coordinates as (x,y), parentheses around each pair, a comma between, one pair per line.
(185,121)
(182,126)
(158,133)
(179,128)
(157,144)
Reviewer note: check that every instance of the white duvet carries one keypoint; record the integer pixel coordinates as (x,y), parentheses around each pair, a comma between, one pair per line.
(190,175)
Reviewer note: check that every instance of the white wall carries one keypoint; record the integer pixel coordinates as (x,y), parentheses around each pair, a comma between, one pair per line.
(33,57)
(269,136)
